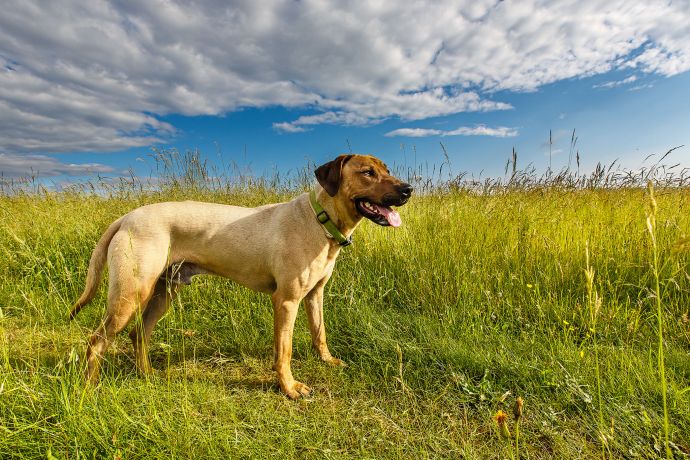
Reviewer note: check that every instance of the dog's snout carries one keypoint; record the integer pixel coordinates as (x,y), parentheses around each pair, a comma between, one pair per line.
(405,190)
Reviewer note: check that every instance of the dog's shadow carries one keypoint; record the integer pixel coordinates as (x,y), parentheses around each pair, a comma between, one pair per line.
(120,366)
(229,368)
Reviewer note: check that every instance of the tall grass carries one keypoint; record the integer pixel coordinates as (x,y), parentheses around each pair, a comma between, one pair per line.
(594,306)
(478,296)
(651,227)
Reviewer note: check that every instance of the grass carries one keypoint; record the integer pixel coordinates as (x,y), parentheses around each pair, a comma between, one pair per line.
(478,299)
(651,227)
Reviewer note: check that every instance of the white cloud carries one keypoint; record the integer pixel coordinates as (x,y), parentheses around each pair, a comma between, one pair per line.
(413,132)
(480,130)
(617,83)
(80,76)
(415,106)
(286,127)
(21,165)
(328,118)
(641,87)
(501,131)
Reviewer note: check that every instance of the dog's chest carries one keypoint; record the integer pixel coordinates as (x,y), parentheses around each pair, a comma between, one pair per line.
(318,269)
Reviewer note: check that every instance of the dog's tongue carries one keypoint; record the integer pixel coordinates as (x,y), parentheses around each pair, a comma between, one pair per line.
(390,214)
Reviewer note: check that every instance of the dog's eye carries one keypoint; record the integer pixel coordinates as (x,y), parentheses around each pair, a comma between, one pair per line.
(368,173)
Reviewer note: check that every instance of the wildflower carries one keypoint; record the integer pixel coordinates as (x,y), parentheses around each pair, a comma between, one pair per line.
(502,420)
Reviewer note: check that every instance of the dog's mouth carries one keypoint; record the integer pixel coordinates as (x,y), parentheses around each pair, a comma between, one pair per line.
(377,213)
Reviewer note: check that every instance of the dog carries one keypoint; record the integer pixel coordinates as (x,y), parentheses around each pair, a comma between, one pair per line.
(287,250)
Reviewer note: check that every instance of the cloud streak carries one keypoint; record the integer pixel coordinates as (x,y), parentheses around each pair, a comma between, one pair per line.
(480,130)
(99,76)
(617,83)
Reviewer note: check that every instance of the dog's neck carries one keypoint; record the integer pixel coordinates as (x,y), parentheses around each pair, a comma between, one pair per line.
(341,211)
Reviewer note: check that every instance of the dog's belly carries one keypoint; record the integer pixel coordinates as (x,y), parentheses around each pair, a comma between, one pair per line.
(181,273)
(244,268)
(260,282)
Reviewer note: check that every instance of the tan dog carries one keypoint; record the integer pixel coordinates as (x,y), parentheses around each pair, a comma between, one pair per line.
(280,249)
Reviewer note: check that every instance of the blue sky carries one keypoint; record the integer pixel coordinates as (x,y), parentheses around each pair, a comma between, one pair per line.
(91,89)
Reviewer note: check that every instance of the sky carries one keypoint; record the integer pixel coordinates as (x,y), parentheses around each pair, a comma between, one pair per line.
(92,88)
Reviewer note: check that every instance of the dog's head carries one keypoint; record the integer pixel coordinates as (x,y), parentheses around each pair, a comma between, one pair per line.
(366,186)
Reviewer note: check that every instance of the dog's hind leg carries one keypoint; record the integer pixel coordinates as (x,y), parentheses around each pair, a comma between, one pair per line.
(163,294)
(120,312)
(132,279)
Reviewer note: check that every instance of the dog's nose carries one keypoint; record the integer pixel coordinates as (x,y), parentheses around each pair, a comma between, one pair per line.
(405,190)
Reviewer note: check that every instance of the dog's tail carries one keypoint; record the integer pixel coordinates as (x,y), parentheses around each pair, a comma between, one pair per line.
(93,276)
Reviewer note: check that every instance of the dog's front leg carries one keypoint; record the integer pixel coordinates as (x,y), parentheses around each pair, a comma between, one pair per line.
(284,314)
(313,302)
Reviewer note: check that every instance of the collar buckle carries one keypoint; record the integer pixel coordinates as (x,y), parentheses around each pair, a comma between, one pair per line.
(323,217)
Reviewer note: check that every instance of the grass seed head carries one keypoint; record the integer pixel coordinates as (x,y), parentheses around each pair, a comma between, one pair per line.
(652,200)
(517,408)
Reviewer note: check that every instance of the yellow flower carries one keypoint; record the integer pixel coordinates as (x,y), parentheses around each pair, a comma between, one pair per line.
(502,420)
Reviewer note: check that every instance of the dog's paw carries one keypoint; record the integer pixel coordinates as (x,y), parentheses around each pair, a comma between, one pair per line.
(295,390)
(334,361)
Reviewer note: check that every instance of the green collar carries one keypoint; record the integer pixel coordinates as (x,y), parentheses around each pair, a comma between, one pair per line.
(326,222)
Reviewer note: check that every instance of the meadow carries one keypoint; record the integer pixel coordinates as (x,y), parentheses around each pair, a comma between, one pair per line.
(540,289)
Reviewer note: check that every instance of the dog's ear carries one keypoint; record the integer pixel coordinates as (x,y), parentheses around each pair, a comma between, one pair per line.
(328,174)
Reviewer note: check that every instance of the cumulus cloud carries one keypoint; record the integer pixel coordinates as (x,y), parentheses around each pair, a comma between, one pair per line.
(480,130)
(18,165)
(81,76)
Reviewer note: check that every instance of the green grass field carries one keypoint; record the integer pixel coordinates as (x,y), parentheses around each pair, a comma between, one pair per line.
(477,299)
